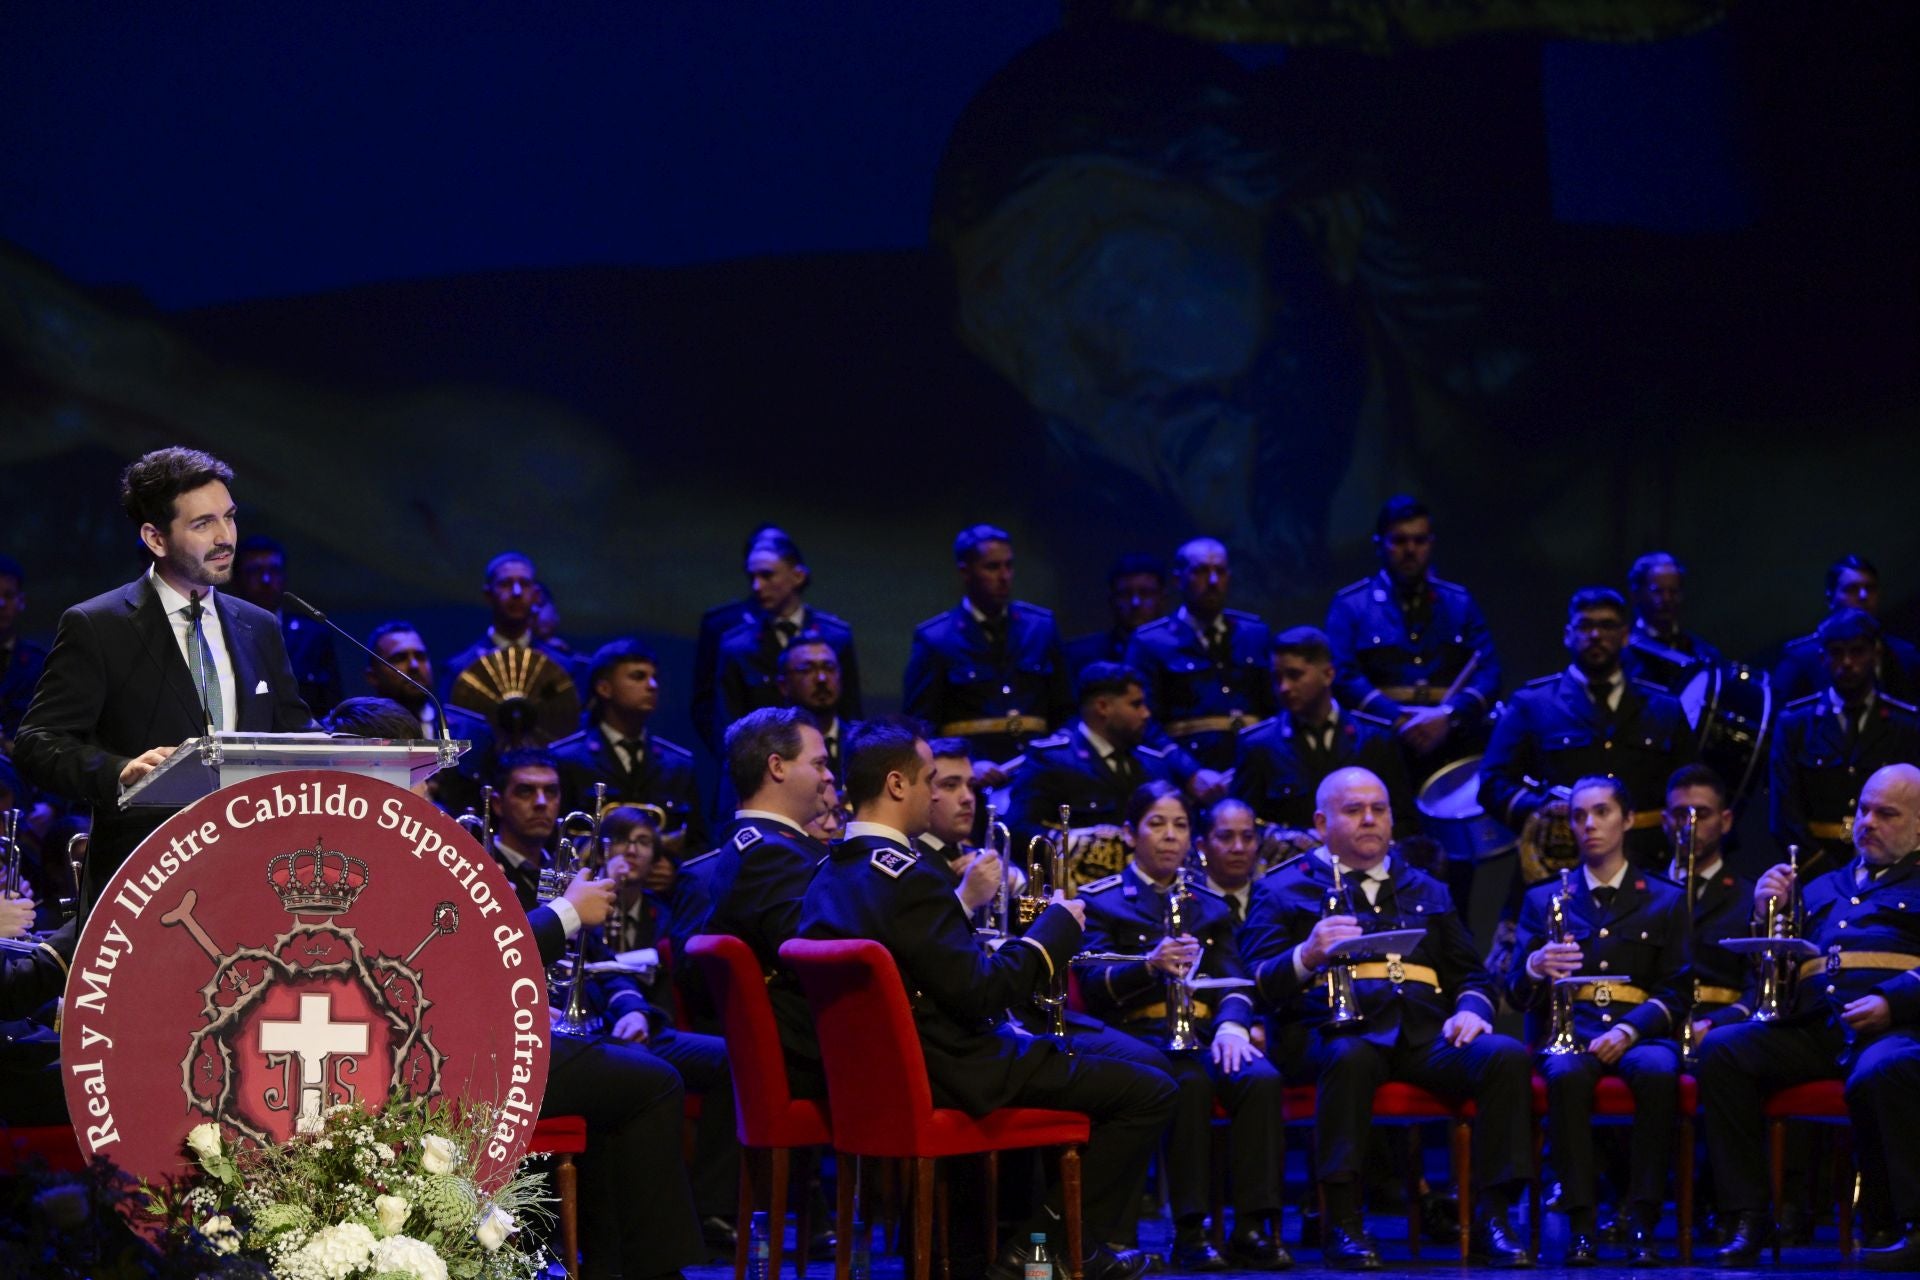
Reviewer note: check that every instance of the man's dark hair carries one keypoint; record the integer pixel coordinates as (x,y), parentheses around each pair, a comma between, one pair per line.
(1180,562)
(1847,623)
(371,718)
(769,731)
(761,533)
(10,568)
(507,762)
(781,545)
(1643,568)
(1149,794)
(385,629)
(150,488)
(1859,564)
(1605,782)
(966,544)
(949,748)
(1221,808)
(1137,562)
(614,652)
(255,544)
(1310,643)
(876,748)
(504,559)
(812,635)
(1106,679)
(1399,509)
(1587,599)
(1698,775)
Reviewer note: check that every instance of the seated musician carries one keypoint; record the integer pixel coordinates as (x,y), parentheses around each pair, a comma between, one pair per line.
(31,1091)
(1129,913)
(1426,1016)
(874,886)
(1230,854)
(1722,900)
(1855,1016)
(949,834)
(616,746)
(1093,766)
(1282,760)
(1618,923)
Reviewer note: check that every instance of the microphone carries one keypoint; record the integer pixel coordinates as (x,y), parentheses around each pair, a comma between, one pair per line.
(440,711)
(194,610)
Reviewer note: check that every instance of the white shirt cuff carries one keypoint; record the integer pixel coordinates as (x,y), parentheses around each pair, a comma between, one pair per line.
(1232,1030)
(569,917)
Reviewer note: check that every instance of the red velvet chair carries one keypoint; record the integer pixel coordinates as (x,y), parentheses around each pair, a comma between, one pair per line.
(53,1145)
(883,1103)
(1405,1105)
(1817,1102)
(1613,1104)
(565,1137)
(770,1121)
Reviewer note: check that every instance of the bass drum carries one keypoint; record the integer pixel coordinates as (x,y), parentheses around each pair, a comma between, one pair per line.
(1732,708)
(1449,801)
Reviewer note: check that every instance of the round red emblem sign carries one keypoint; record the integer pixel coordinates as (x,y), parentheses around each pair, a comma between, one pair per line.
(293,942)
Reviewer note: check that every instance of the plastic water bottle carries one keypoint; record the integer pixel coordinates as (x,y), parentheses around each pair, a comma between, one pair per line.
(759,1249)
(1039,1265)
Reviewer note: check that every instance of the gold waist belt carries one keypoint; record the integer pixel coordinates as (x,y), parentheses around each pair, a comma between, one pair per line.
(1420,695)
(1859,960)
(1014,724)
(1210,724)
(1158,1010)
(1717,995)
(1645,818)
(1830,830)
(1395,971)
(1605,993)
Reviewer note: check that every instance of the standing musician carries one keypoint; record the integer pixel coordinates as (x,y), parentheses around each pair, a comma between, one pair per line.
(1205,668)
(1659,649)
(990,669)
(512,591)
(714,624)
(260,578)
(1630,931)
(135,672)
(1281,762)
(1426,1016)
(1588,720)
(1136,588)
(1852,583)
(21,660)
(874,886)
(1129,913)
(1401,639)
(748,662)
(1722,901)
(617,747)
(1827,742)
(1855,1016)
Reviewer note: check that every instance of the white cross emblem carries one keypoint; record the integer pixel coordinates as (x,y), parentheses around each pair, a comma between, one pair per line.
(314,1037)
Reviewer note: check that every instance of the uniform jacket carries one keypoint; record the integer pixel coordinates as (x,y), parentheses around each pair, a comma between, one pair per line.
(1816,774)
(1723,908)
(1184,681)
(955,674)
(115,685)
(1289,900)
(1101,646)
(1644,937)
(1842,915)
(714,624)
(18,674)
(1277,771)
(1803,669)
(1126,913)
(750,886)
(1552,733)
(1668,663)
(315,665)
(1376,646)
(1064,768)
(872,888)
(665,777)
(747,668)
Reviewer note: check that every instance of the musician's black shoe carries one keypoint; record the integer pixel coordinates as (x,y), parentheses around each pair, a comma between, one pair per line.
(1494,1243)
(1751,1233)
(1440,1219)
(718,1235)
(1581,1251)
(1902,1255)
(1346,1247)
(1641,1250)
(821,1245)
(1255,1250)
(1107,1263)
(1192,1251)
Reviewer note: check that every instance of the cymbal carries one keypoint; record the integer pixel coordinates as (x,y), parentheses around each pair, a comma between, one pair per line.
(526,696)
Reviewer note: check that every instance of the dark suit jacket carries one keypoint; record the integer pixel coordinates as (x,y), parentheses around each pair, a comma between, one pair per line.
(115,686)
(714,624)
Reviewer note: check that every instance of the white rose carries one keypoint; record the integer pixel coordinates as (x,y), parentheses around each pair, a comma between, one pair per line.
(408,1256)
(204,1141)
(392,1212)
(437,1154)
(221,1234)
(496,1224)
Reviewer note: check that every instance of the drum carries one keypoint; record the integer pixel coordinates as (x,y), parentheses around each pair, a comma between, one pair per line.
(1732,709)
(1449,801)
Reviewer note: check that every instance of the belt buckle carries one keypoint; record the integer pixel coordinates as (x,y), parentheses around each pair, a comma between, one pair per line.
(1603,994)
(1833,959)
(1013,723)
(1846,827)
(1396,970)
(1237,721)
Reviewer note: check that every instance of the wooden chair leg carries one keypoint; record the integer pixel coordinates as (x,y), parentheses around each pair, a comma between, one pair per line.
(943,1242)
(1070,1208)
(802,1230)
(1413,1190)
(779,1162)
(922,1218)
(743,1216)
(847,1178)
(1683,1194)
(1462,1134)
(992,1214)
(1777,1176)
(566,1183)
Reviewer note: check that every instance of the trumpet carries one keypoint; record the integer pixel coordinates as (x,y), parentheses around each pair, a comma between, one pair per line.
(480,825)
(1688,1045)
(1000,843)
(1779,974)
(1561,1040)
(1181,1036)
(1343,1007)
(573,854)
(1053,1001)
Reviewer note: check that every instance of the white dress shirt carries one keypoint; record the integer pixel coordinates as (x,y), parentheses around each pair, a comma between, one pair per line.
(177,607)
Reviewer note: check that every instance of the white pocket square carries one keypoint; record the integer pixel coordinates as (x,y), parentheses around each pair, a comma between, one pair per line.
(261,687)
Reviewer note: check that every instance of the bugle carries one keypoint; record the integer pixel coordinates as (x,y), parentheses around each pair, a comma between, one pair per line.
(1343,1008)
(1561,1040)
(573,854)
(1780,970)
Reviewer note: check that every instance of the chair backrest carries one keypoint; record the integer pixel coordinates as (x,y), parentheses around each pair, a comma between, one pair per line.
(876,1074)
(760,1090)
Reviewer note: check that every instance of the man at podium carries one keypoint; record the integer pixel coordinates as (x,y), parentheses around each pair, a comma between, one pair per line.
(139,670)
